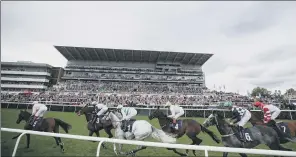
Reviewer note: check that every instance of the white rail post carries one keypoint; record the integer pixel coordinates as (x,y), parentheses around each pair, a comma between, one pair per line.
(206,153)
(99,148)
(17,143)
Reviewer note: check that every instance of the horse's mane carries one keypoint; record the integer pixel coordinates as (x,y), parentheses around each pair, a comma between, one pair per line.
(255,117)
(25,112)
(220,116)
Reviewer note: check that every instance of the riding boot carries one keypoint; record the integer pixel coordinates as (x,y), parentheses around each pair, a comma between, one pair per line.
(31,120)
(124,125)
(35,120)
(94,120)
(242,133)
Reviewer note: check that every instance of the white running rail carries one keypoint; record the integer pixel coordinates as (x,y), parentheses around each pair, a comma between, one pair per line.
(149,144)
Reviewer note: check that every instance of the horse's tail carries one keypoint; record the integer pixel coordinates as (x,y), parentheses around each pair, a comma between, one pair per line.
(63,124)
(162,136)
(214,137)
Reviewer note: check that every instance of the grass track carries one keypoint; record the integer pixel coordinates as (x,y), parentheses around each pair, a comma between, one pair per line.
(44,146)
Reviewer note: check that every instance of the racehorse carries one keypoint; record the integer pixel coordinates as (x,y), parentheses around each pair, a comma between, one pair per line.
(46,125)
(286,127)
(255,135)
(189,126)
(89,113)
(138,130)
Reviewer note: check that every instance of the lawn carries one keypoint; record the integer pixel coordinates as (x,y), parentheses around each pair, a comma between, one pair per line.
(45,146)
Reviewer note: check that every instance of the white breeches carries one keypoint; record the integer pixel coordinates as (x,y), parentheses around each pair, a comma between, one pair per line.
(102,111)
(41,111)
(275,114)
(130,115)
(244,120)
(181,113)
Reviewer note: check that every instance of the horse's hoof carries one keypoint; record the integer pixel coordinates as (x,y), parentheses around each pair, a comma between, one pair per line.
(104,147)
(63,150)
(129,153)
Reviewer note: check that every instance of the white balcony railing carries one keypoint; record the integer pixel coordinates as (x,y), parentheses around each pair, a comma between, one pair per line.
(24,79)
(25,73)
(23,86)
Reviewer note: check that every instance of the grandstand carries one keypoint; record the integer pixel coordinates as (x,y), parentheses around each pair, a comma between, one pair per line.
(134,66)
(24,77)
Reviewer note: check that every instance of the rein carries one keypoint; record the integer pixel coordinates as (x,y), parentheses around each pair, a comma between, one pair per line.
(166,119)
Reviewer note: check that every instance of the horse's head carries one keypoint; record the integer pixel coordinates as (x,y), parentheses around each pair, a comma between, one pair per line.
(212,119)
(84,110)
(156,114)
(21,116)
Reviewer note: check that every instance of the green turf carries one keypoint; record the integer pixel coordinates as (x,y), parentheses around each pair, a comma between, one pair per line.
(45,146)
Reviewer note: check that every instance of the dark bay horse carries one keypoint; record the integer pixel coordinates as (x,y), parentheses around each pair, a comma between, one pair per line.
(189,127)
(288,128)
(255,135)
(89,113)
(47,125)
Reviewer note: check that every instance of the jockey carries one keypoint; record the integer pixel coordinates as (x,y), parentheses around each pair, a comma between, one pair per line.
(127,114)
(241,116)
(38,111)
(271,112)
(176,112)
(100,110)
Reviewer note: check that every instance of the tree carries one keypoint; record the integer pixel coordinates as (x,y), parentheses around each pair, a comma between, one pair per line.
(290,91)
(260,91)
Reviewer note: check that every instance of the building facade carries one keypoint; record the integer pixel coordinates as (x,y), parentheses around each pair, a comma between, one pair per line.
(24,77)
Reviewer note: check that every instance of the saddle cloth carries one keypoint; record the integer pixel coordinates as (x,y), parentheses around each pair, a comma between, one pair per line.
(127,126)
(283,127)
(178,124)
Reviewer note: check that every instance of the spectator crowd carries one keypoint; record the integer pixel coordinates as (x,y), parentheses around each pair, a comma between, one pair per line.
(127,93)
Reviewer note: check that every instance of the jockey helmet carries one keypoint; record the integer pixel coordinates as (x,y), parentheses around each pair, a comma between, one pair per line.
(258,104)
(119,107)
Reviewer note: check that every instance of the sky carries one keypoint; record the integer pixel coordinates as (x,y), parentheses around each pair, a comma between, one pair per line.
(254,43)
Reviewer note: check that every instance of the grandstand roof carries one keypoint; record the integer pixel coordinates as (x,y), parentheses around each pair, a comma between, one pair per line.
(106,54)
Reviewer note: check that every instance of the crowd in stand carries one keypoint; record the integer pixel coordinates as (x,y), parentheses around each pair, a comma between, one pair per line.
(130,87)
(132,76)
(114,93)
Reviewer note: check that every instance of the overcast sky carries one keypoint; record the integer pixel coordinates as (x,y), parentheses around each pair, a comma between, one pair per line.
(254,43)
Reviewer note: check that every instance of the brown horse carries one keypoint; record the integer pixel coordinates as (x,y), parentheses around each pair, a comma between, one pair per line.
(90,114)
(47,125)
(290,130)
(189,127)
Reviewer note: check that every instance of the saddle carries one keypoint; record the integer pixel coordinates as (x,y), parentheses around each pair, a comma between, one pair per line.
(177,126)
(37,123)
(127,125)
